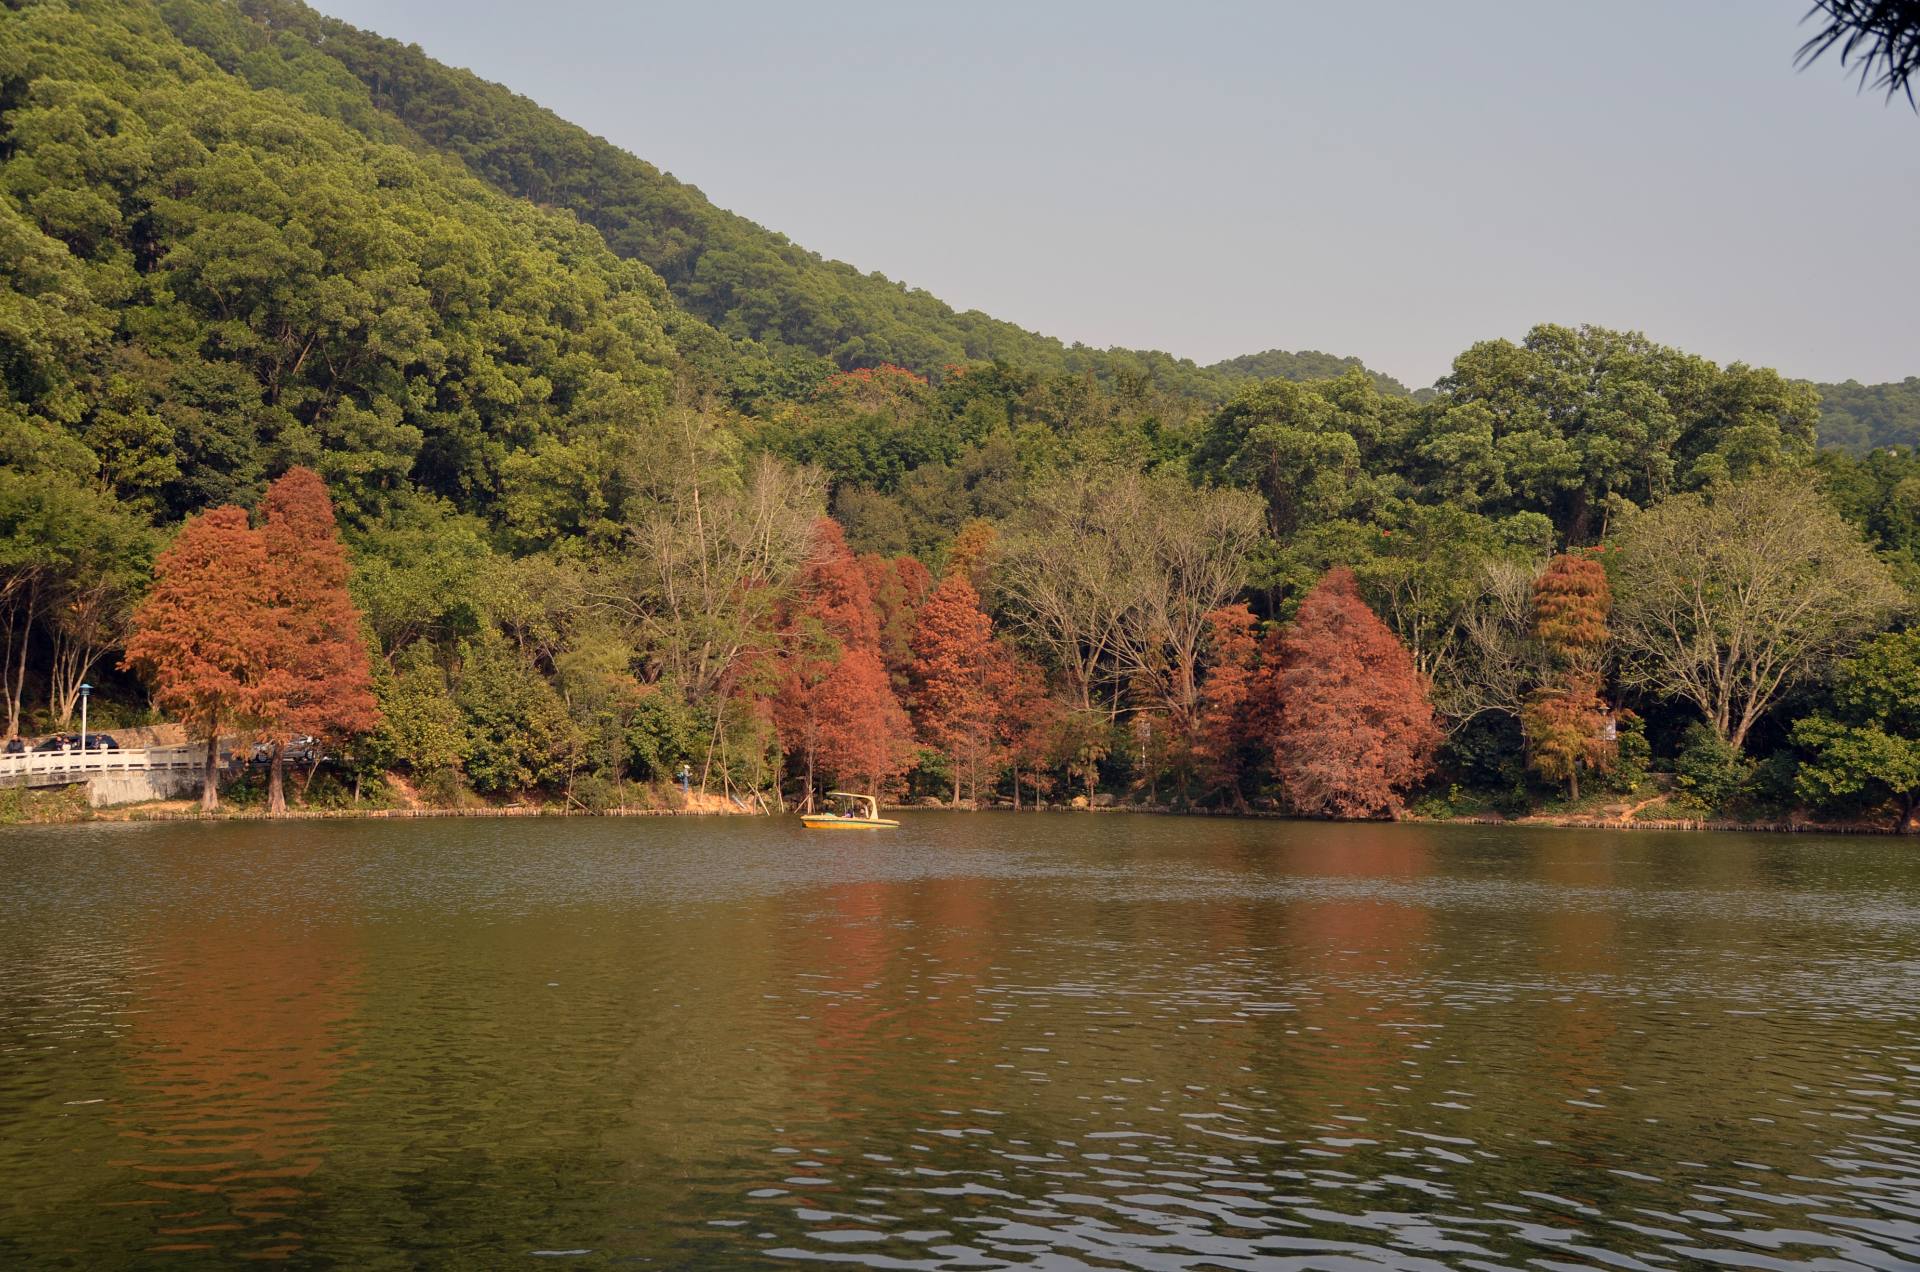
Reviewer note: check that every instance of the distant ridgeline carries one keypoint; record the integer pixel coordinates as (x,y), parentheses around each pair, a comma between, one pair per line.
(1278,364)
(750,283)
(1862,417)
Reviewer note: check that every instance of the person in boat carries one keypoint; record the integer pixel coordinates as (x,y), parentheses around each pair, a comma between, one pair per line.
(858,812)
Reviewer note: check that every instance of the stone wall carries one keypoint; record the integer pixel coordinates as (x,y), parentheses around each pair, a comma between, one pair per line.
(107,789)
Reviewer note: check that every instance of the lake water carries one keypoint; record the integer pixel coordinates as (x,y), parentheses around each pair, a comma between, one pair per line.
(1046,1040)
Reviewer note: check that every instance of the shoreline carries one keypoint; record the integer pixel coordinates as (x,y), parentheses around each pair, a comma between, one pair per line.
(132,814)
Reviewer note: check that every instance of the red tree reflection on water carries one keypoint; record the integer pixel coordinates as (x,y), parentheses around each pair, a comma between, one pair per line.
(237,1045)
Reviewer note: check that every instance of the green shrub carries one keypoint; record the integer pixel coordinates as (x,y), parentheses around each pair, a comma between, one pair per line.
(1714,772)
(1632,754)
(596,793)
(442,788)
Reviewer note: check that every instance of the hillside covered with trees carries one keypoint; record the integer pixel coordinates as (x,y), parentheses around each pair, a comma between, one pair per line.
(300,331)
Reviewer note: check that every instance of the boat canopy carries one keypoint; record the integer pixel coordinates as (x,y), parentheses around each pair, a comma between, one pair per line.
(868,802)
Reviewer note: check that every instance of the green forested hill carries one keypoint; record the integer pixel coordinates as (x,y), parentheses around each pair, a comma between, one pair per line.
(1309,364)
(749,282)
(204,283)
(1862,417)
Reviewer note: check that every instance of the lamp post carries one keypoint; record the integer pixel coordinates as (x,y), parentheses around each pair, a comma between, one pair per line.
(86,691)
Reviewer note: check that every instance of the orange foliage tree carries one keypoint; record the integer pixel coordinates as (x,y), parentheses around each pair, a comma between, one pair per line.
(1571,601)
(1566,727)
(835,710)
(205,634)
(898,585)
(1027,722)
(1228,728)
(972,551)
(1566,720)
(1354,728)
(953,675)
(327,687)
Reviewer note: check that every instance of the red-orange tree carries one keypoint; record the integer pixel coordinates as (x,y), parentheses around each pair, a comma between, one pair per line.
(1566,727)
(328,681)
(1355,729)
(865,739)
(897,585)
(1566,719)
(205,635)
(1028,719)
(1228,729)
(831,713)
(953,676)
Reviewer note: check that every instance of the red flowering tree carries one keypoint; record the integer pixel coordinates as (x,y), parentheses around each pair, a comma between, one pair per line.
(1228,729)
(1354,730)
(327,687)
(205,634)
(953,676)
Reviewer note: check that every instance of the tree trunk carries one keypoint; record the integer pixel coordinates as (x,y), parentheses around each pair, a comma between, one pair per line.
(277,782)
(1016,788)
(210,779)
(19,631)
(1573,783)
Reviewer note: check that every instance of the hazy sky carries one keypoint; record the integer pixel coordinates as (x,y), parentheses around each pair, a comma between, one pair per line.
(1393,180)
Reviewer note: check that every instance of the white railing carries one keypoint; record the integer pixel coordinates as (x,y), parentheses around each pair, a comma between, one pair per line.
(73,765)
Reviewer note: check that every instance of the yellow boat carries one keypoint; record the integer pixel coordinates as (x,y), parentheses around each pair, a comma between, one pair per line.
(863,813)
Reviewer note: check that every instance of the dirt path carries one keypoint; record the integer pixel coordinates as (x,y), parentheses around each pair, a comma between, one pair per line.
(403,790)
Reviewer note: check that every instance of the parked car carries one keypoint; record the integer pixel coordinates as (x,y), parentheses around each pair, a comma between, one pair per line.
(102,742)
(297,751)
(304,750)
(57,742)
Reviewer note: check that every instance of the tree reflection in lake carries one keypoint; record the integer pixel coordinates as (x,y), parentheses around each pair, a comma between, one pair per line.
(985,1041)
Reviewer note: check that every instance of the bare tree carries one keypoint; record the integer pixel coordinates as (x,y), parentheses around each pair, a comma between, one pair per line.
(1113,572)
(1729,599)
(90,616)
(715,543)
(708,570)
(1187,556)
(1065,572)
(1489,659)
